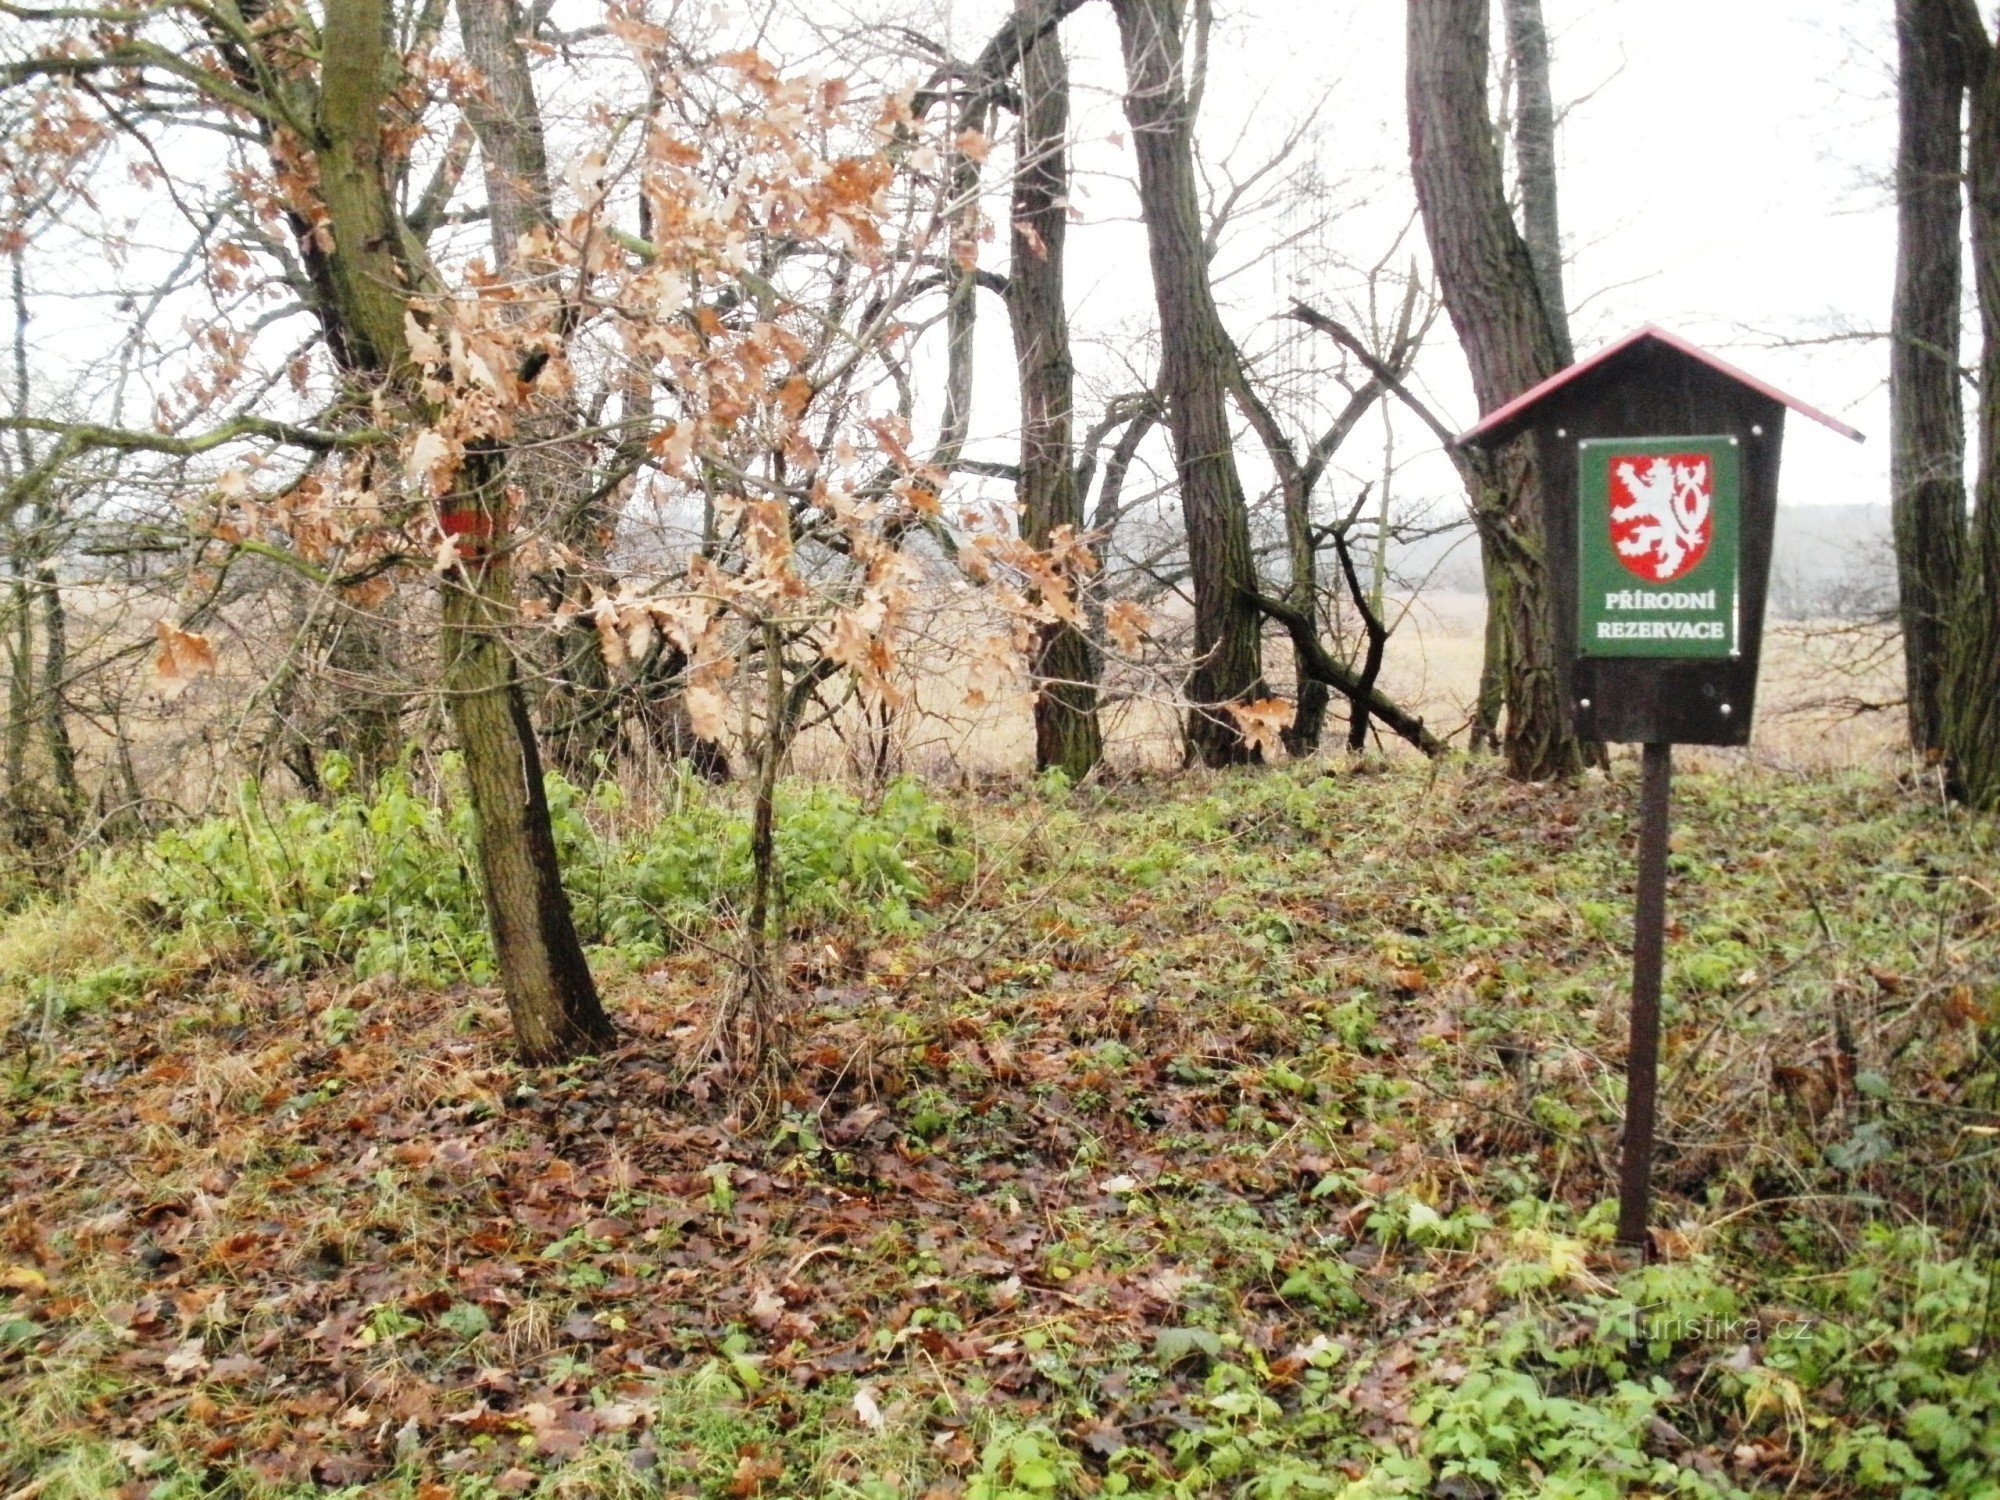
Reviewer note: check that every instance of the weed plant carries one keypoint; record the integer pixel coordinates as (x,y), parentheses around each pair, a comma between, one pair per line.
(379,882)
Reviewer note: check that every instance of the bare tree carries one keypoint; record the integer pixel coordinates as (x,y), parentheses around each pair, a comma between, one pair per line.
(1067,733)
(1970,690)
(1486,274)
(1926,406)
(1299,476)
(1535,159)
(1197,371)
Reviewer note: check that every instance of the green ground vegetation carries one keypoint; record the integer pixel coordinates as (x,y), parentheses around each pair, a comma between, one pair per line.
(1246,1135)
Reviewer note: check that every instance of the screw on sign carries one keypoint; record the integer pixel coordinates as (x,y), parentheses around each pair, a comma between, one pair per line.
(1659,467)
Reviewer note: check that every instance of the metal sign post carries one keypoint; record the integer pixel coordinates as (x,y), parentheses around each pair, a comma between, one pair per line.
(1649,942)
(1659,474)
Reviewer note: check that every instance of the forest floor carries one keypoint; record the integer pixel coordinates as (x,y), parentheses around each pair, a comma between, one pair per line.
(1248,1135)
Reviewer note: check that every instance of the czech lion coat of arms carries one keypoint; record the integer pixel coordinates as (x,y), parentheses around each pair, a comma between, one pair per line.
(1662,513)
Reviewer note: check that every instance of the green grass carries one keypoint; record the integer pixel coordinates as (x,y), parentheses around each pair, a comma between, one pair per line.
(382,884)
(1247,1136)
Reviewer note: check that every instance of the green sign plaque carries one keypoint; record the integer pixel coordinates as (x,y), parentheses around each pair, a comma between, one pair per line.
(1657,547)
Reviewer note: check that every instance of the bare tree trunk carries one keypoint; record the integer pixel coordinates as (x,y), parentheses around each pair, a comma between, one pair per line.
(369,267)
(18,615)
(1067,734)
(373,268)
(1487,277)
(1492,700)
(962,301)
(1971,683)
(507,119)
(1302,593)
(123,812)
(1926,407)
(20,689)
(752,1028)
(1296,482)
(550,993)
(1197,367)
(1535,166)
(1319,663)
(54,701)
(1535,161)
(369,279)
(1299,611)
(763,957)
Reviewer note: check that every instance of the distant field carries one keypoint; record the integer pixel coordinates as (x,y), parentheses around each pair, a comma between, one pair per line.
(1815,674)
(1815,679)
(190,738)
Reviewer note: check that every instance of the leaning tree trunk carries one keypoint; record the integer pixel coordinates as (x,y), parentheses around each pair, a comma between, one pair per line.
(1197,364)
(1487,277)
(549,990)
(372,272)
(1067,734)
(1970,718)
(1926,409)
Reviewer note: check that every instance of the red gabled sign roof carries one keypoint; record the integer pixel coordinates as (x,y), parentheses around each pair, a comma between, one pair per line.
(1505,416)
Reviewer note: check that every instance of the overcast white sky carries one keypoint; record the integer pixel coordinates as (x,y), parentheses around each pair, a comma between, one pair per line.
(1723,172)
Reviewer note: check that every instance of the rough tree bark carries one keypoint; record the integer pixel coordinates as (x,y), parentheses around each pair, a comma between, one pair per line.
(1302,593)
(20,695)
(1535,160)
(1926,407)
(1970,718)
(507,119)
(550,993)
(961,318)
(1067,734)
(1487,277)
(18,616)
(1541,228)
(37,705)
(369,264)
(56,739)
(1197,367)
(373,269)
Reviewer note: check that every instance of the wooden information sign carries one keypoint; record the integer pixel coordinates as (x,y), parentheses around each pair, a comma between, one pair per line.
(1659,471)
